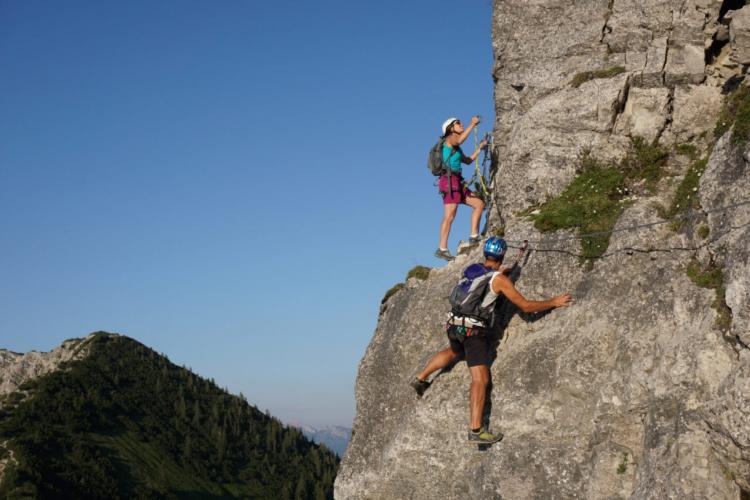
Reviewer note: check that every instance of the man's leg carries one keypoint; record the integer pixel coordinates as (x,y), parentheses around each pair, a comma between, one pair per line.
(480,378)
(438,362)
(478,360)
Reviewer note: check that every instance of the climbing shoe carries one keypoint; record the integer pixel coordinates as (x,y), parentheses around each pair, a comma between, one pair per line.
(484,437)
(419,385)
(444,254)
(475,240)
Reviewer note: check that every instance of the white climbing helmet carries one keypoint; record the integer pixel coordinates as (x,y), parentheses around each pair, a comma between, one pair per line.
(447,123)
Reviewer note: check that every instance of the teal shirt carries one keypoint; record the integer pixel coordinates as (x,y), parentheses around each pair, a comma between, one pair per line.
(455,159)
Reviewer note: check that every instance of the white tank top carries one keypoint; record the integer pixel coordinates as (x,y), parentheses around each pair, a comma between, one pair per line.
(491,296)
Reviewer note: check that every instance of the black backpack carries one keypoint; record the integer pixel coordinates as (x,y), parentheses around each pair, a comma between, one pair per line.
(437,165)
(435,161)
(466,297)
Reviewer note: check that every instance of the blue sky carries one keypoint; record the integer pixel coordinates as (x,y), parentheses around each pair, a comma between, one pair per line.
(234,184)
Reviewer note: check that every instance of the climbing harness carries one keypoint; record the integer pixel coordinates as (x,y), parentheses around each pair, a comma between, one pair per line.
(465,321)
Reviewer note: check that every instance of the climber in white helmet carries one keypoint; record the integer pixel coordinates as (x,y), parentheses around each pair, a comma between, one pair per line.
(451,184)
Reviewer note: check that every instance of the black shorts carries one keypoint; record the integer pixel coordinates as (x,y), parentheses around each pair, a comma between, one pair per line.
(475,347)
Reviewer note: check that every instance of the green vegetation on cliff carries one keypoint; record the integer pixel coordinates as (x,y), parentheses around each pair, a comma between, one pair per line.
(595,198)
(686,197)
(736,111)
(712,277)
(124,422)
(591,203)
(645,162)
(419,272)
(391,292)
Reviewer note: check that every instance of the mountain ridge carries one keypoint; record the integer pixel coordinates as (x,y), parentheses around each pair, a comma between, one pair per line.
(335,437)
(123,421)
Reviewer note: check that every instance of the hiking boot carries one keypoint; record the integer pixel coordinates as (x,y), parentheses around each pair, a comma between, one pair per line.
(484,437)
(419,385)
(444,254)
(475,240)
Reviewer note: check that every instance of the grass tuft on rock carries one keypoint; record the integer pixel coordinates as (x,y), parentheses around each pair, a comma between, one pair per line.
(581,78)
(392,291)
(591,203)
(623,467)
(419,272)
(712,277)
(645,162)
(686,198)
(595,198)
(498,230)
(728,473)
(736,111)
(689,150)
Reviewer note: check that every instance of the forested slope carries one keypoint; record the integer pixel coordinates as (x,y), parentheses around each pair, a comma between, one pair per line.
(125,422)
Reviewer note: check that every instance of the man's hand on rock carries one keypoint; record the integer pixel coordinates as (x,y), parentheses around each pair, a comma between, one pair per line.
(563,300)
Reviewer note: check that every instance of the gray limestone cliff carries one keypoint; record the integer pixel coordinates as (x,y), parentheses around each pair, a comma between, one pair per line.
(641,389)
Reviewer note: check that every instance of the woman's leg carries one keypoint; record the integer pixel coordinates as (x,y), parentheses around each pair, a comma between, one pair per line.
(449,213)
(476,216)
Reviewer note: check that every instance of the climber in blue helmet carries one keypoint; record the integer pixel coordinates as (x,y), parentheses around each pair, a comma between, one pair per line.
(473,301)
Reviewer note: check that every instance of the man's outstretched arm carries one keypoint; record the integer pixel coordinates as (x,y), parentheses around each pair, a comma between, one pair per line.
(502,284)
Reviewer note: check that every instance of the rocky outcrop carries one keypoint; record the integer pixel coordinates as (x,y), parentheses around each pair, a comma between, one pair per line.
(641,388)
(694,113)
(15,368)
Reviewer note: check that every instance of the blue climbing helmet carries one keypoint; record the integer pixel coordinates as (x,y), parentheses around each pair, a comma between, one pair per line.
(494,248)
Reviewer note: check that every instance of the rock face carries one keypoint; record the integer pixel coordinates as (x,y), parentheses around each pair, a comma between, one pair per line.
(638,390)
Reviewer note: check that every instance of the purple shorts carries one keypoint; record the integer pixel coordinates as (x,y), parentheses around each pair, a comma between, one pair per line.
(459,192)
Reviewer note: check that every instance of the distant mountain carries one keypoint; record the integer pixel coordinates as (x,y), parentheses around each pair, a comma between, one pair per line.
(106,417)
(335,437)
